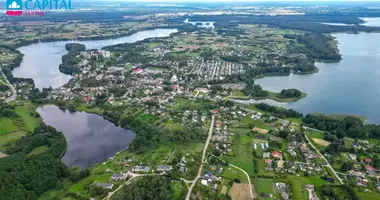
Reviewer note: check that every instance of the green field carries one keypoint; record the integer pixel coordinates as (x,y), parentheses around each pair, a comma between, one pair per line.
(29,121)
(298,183)
(10,137)
(311,133)
(6,126)
(242,155)
(232,173)
(265,185)
(38,150)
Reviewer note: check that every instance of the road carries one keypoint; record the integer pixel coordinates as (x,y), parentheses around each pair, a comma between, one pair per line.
(203,158)
(322,156)
(14,93)
(246,174)
(126,183)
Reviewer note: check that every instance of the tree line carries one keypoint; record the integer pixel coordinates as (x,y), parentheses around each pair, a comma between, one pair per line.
(278,111)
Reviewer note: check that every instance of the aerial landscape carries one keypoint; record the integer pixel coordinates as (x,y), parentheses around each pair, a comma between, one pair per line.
(188,100)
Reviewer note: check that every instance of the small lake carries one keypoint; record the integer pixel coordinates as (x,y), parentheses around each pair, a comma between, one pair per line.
(351,86)
(90,138)
(41,60)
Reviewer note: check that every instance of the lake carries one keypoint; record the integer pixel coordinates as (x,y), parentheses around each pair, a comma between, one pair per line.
(90,138)
(41,60)
(351,86)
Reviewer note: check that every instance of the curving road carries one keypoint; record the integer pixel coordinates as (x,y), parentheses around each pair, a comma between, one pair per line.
(203,158)
(14,93)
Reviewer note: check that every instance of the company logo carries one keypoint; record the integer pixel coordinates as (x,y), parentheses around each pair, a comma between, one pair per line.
(35,7)
(14,7)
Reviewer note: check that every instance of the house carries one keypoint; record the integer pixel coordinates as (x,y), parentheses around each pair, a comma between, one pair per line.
(293,153)
(367,160)
(357,174)
(276,154)
(362,182)
(369,168)
(163,168)
(280,164)
(140,168)
(268,162)
(281,187)
(203,90)
(118,177)
(353,156)
(183,169)
(106,186)
(204,182)
(138,70)
(318,168)
(302,168)
(266,155)
(304,148)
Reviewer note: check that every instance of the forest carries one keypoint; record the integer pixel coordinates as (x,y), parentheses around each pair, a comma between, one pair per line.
(147,187)
(70,60)
(289,93)
(278,111)
(352,127)
(24,176)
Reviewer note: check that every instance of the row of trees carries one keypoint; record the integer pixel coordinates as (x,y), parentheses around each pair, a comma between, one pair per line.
(348,127)
(278,111)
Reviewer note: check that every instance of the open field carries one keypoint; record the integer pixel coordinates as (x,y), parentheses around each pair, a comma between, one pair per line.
(299,182)
(260,130)
(10,137)
(265,185)
(6,126)
(240,191)
(29,121)
(2,155)
(321,142)
(242,153)
(38,150)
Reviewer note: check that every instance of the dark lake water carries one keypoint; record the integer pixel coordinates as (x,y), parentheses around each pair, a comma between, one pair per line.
(351,86)
(90,138)
(41,60)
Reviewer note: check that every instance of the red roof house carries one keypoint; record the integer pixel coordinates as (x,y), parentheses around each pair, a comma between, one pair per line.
(367,160)
(138,70)
(276,154)
(370,168)
(268,161)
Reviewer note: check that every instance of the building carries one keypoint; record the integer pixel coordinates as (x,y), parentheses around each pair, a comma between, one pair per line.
(118,177)
(164,168)
(367,160)
(106,186)
(276,154)
(268,162)
(140,168)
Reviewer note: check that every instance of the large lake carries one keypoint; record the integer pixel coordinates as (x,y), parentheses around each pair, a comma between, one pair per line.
(90,138)
(41,60)
(351,86)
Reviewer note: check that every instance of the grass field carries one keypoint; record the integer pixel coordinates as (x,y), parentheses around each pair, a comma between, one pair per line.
(38,150)
(265,185)
(29,121)
(242,150)
(10,137)
(367,195)
(298,183)
(315,134)
(232,173)
(6,126)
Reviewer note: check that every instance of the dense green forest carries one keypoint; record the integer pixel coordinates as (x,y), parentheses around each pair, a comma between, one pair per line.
(289,93)
(348,127)
(278,111)
(70,60)
(148,187)
(24,176)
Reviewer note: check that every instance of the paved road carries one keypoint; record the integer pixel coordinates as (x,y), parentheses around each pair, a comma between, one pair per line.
(324,158)
(14,93)
(203,158)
